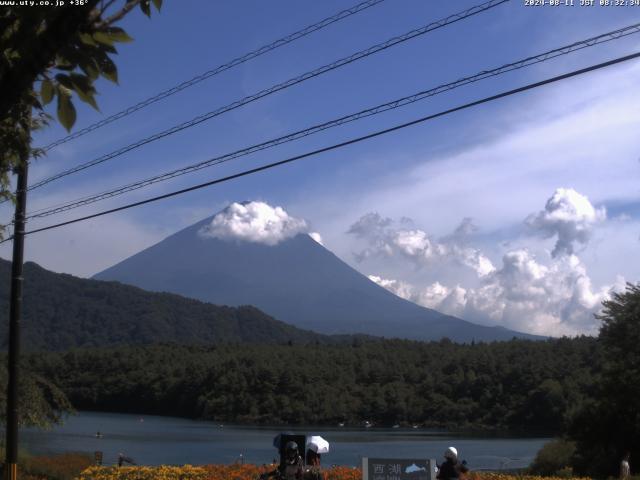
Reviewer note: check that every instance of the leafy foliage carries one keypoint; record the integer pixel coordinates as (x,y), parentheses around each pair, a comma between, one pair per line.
(553,458)
(609,424)
(438,384)
(50,53)
(47,404)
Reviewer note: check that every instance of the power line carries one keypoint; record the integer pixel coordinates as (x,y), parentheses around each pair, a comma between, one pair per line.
(532,60)
(336,146)
(219,69)
(281,86)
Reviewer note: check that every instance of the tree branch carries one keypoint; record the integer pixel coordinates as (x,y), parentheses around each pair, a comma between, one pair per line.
(106,6)
(130,5)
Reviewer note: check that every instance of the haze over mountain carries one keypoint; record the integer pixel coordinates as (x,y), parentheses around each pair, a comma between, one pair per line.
(252,254)
(62,311)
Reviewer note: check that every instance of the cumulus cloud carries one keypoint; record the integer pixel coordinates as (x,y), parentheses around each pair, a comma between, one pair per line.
(256,222)
(436,295)
(465,229)
(369,225)
(415,245)
(523,294)
(552,297)
(401,289)
(568,215)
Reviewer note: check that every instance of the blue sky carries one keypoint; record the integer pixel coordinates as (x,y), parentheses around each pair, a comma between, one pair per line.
(498,164)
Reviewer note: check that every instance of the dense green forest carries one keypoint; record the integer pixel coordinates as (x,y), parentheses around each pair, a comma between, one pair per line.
(517,384)
(584,389)
(62,311)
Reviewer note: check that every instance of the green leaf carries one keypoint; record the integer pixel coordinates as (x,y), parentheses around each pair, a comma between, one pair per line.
(118,35)
(64,80)
(108,69)
(46,91)
(81,82)
(87,62)
(64,63)
(90,68)
(87,39)
(88,98)
(158,4)
(84,88)
(145,6)
(107,48)
(66,110)
(103,38)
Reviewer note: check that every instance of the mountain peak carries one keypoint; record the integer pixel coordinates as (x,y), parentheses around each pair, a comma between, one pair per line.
(276,265)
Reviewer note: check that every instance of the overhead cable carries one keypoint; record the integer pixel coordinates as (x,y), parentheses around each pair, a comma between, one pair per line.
(532,60)
(336,146)
(215,71)
(278,87)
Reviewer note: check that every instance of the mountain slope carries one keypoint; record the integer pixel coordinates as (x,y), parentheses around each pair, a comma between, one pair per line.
(297,281)
(62,311)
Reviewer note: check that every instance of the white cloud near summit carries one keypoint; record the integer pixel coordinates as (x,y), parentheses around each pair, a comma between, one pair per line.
(570,217)
(317,237)
(256,222)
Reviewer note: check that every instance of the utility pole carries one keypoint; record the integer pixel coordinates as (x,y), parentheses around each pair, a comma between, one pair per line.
(15,312)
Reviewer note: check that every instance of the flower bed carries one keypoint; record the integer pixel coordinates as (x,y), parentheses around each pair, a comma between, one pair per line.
(59,467)
(207,472)
(248,472)
(503,476)
(186,472)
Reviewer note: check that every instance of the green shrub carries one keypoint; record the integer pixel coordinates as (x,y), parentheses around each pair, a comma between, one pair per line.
(554,459)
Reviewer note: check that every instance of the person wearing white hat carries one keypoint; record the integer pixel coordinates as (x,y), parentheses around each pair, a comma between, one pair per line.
(450,469)
(313,470)
(315,447)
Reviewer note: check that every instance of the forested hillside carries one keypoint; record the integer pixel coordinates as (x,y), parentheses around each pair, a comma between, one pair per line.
(516,384)
(62,311)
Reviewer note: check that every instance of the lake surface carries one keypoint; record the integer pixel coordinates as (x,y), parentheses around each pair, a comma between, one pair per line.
(153,440)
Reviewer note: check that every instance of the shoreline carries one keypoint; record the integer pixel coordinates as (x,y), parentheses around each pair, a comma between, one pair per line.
(422,430)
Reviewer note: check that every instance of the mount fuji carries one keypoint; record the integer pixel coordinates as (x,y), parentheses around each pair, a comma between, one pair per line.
(295,280)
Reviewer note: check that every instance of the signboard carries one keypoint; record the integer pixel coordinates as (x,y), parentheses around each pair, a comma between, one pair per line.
(398,469)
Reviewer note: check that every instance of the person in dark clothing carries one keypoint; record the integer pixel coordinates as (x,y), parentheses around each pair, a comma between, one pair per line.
(122,458)
(293,466)
(450,469)
(313,471)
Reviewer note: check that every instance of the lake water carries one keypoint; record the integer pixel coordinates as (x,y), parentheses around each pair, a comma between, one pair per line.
(155,440)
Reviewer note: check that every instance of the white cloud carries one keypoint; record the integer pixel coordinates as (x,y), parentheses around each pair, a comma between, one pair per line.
(524,295)
(401,289)
(317,237)
(473,259)
(465,229)
(256,222)
(416,245)
(569,216)
(440,297)
(553,298)
(436,295)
